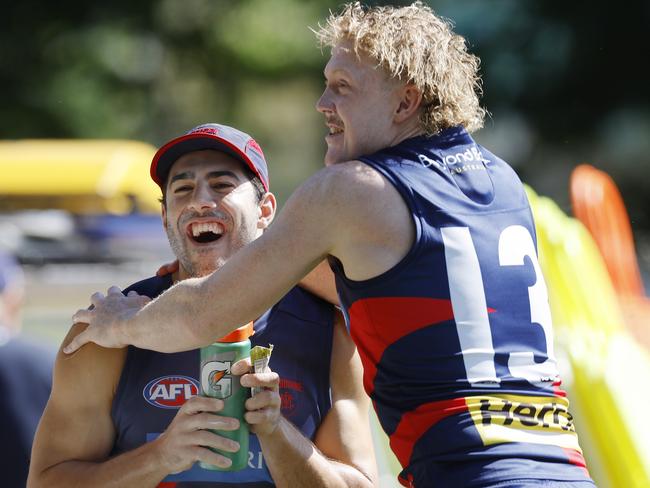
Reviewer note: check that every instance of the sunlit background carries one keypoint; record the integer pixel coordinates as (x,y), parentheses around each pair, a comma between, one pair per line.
(562,82)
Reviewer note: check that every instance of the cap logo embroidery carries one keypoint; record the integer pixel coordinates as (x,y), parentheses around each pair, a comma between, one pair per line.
(252,144)
(205,130)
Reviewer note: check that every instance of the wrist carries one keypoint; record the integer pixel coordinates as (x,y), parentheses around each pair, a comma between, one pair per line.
(124,331)
(155,457)
(273,433)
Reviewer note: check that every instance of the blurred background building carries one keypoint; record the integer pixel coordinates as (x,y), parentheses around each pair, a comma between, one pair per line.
(562,82)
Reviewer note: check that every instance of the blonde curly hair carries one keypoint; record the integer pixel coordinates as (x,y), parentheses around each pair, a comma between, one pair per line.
(415,45)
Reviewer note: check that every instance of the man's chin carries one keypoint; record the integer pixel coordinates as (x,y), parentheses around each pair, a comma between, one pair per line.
(203,267)
(333,157)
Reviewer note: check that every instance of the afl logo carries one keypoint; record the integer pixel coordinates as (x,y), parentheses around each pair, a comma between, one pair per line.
(170,391)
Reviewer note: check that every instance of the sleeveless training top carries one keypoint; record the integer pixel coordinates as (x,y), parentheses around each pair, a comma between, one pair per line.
(154,385)
(456,340)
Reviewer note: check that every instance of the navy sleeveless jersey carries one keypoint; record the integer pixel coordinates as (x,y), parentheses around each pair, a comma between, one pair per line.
(154,385)
(456,339)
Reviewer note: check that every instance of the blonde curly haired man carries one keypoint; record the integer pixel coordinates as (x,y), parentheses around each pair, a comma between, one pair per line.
(433,247)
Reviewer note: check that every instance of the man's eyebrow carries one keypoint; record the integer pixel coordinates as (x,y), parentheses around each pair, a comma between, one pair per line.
(217,174)
(187,175)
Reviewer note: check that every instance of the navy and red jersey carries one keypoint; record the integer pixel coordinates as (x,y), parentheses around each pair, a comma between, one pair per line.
(154,385)
(456,339)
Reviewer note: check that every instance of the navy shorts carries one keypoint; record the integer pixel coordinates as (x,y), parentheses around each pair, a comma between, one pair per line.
(532,483)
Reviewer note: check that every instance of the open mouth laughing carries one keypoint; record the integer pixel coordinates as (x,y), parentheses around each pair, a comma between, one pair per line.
(334,127)
(205,232)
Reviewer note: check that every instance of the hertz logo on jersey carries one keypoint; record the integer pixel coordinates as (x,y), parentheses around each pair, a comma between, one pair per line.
(515,418)
(170,391)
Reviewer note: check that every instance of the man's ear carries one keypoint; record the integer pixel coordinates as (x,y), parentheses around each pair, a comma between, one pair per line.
(410,99)
(267,208)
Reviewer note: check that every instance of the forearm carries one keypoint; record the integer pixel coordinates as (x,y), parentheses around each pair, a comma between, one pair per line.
(181,319)
(139,468)
(294,461)
(198,311)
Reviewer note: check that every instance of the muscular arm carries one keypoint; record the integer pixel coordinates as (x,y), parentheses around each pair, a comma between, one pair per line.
(342,454)
(76,433)
(319,281)
(348,211)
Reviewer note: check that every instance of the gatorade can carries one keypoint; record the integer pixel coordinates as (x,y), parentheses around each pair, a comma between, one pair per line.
(218,382)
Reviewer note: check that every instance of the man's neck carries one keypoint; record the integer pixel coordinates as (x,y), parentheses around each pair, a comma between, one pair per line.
(408,131)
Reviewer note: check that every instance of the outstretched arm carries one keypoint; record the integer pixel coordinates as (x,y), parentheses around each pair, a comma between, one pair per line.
(197,311)
(348,211)
(320,281)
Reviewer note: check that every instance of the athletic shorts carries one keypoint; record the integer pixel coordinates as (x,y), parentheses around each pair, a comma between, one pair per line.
(531,483)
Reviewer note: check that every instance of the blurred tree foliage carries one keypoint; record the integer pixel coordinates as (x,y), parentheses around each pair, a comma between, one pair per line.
(563,81)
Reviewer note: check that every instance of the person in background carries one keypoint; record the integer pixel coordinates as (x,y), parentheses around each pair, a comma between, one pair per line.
(25,378)
(311,423)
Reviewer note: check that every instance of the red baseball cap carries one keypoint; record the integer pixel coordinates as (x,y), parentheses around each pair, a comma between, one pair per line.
(219,137)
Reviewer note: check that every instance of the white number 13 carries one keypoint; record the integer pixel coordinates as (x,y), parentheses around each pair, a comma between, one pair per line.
(470,308)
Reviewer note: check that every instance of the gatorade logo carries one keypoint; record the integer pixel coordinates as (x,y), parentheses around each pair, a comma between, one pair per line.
(215,379)
(170,391)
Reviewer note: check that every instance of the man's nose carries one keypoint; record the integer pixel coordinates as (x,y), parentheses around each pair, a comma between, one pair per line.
(324,103)
(202,199)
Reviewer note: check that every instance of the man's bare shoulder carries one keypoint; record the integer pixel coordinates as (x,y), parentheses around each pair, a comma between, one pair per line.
(89,370)
(347,184)
(352,175)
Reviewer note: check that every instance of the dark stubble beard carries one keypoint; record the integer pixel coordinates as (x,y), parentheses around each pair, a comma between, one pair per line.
(179,250)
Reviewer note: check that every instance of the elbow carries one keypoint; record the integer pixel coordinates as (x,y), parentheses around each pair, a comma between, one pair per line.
(198,335)
(364,480)
(354,476)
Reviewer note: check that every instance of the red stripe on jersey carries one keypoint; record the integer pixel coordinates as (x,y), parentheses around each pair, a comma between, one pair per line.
(557,390)
(576,458)
(375,323)
(408,482)
(416,422)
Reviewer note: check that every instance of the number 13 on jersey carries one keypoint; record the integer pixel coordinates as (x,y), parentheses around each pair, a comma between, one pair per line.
(471,312)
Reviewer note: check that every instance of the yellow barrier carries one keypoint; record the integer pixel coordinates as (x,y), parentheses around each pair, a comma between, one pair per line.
(609,370)
(80,176)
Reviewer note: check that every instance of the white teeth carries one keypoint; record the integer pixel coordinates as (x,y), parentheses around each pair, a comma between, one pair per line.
(201,227)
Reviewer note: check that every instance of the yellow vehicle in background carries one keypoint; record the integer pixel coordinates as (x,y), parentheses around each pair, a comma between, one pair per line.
(78,200)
